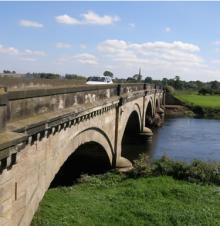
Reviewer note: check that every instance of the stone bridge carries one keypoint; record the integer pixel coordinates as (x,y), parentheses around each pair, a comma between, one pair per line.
(40,129)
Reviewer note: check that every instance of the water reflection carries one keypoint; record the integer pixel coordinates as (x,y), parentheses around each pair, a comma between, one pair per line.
(182,139)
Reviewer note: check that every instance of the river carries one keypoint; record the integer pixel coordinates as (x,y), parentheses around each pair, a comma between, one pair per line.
(183,139)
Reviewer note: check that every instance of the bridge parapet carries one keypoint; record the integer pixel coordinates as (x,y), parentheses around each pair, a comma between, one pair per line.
(36,113)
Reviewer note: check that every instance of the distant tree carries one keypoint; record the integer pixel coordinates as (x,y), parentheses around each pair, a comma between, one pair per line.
(204,91)
(178,83)
(148,80)
(108,73)
(6,72)
(214,84)
(164,81)
(75,76)
(137,77)
(130,80)
(46,75)
(13,72)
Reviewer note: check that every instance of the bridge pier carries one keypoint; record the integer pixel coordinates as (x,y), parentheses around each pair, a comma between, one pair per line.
(123,164)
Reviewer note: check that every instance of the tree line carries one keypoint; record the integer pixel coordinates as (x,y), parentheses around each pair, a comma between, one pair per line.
(203,88)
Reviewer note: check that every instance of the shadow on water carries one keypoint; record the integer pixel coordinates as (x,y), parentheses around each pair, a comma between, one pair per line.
(89,158)
(180,138)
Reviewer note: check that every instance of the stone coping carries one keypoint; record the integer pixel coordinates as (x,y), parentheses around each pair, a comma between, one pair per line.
(9,139)
(20,130)
(22,94)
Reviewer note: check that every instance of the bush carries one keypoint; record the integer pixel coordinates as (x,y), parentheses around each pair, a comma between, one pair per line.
(169,89)
(198,171)
(204,91)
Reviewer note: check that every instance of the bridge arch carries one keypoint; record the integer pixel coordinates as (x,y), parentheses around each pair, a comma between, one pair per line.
(157,105)
(90,135)
(89,158)
(149,113)
(127,116)
(132,128)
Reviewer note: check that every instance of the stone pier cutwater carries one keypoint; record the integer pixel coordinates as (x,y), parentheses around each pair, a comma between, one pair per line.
(40,129)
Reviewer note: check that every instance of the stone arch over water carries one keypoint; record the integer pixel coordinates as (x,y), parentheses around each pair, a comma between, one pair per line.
(88,158)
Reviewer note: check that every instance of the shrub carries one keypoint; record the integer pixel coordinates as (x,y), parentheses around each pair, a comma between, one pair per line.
(169,89)
(197,171)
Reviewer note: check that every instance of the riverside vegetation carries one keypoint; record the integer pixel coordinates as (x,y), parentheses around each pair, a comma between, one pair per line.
(202,105)
(162,192)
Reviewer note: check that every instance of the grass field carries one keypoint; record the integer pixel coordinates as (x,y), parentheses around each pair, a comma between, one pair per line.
(111,200)
(199,100)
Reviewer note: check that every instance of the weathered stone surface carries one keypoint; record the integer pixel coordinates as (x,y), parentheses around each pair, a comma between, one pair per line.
(123,164)
(47,126)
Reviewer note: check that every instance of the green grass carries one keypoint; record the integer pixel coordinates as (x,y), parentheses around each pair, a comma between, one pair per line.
(199,100)
(206,106)
(117,200)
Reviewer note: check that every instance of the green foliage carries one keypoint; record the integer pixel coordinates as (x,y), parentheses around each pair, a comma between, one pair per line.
(198,100)
(134,200)
(206,106)
(169,89)
(197,171)
(108,73)
(44,75)
(148,80)
(75,77)
(205,91)
(137,77)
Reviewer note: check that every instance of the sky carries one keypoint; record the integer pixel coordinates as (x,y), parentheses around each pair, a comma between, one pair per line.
(164,39)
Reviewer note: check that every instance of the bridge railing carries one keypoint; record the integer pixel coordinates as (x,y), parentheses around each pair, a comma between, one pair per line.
(18,104)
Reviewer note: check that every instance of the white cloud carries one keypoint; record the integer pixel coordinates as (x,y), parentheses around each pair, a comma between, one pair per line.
(66,19)
(8,50)
(28,52)
(89,17)
(24,55)
(157,57)
(168,29)
(86,58)
(92,18)
(30,23)
(83,58)
(62,45)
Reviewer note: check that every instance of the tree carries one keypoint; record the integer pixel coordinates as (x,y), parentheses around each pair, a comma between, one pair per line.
(164,81)
(6,72)
(178,83)
(108,73)
(214,84)
(148,80)
(137,77)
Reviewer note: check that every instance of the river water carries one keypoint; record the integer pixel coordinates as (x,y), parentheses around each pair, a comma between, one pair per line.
(183,139)
(180,139)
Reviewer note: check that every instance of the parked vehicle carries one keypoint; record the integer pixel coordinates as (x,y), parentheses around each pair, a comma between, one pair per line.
(98,80)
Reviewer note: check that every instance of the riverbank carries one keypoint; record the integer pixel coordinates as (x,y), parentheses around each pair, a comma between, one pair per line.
(203,106)
(178,110)
(137,198)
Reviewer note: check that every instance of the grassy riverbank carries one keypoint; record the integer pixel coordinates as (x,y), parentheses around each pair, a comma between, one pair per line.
(208,106)
(138,198)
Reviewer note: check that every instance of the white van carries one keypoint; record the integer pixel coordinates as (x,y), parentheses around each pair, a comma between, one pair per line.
(99,80)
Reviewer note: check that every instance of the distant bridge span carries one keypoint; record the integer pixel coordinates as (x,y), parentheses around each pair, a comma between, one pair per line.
(41,128)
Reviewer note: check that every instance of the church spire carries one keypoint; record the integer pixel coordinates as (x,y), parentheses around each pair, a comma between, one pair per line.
(139,71)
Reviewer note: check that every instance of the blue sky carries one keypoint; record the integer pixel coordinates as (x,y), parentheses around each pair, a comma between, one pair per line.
(163,38)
